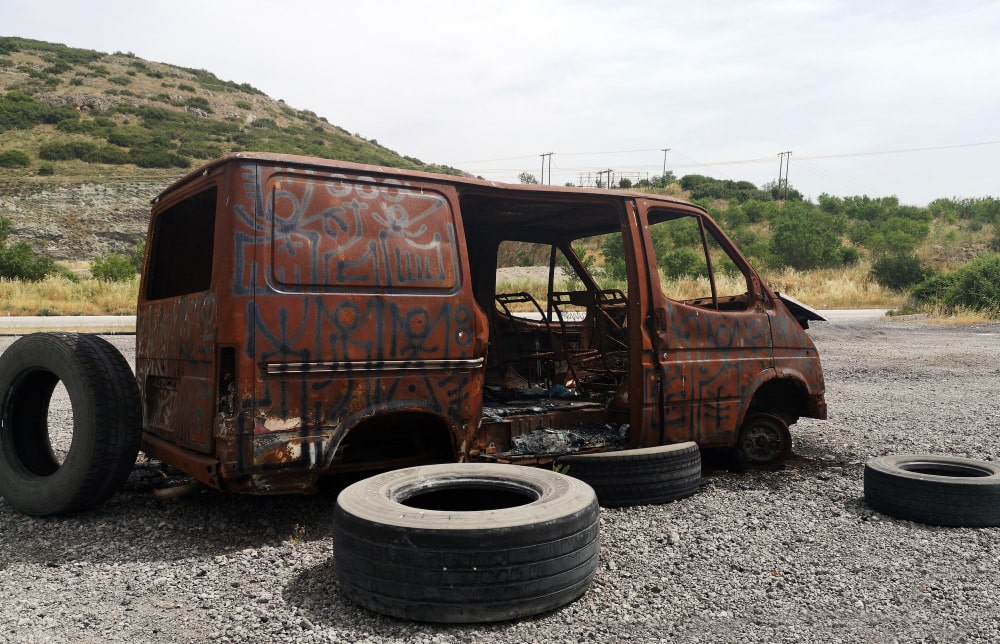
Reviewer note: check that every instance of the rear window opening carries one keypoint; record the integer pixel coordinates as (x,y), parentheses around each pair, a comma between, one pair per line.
(180,255)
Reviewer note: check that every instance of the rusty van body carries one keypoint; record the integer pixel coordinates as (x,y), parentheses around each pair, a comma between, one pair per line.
(300,317)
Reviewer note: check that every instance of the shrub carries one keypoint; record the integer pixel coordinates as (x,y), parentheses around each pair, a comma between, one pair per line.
(613,250)
(974,286)
(157,158)
(137,255)
(112,268)
(977,285)
(21,111)
(805,240)
(682,262)
(898,272)
(20,261)
(14,159)
(46,169)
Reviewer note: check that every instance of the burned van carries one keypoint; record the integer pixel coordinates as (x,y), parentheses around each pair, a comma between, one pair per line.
(300,317)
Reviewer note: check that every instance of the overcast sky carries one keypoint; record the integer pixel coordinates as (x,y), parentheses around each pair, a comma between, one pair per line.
(896,97)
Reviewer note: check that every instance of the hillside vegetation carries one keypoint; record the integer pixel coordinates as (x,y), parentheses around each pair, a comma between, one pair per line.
(88,138)
(71,112)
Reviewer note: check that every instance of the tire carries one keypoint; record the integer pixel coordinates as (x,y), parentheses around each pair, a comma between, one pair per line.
(764,442)
(463,543)
(642,476)
(939,490)
(106,424)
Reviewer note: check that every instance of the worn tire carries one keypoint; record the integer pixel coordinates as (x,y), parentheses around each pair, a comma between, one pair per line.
(464,543)
(642,476)
(940,490)
(106,429)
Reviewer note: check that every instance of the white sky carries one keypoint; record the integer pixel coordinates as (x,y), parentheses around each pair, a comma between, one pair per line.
(894,97)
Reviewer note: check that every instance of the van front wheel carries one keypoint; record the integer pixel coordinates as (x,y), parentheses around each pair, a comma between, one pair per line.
(764,442)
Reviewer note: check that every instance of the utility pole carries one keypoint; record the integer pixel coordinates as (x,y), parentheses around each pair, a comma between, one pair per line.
(549,155)
(664,151)
(783,164)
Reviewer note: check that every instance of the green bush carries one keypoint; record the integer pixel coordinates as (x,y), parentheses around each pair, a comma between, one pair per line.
(46,169)
(613,250)
(805,239)
(974,286)
(898,272)
(157,158)
(84,151)
(19,260)
(112,268)
(137,255)
(682,262)
(20,111)
(14,159)
(64,151)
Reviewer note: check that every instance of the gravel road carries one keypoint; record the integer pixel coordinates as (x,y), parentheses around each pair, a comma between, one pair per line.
(792,555)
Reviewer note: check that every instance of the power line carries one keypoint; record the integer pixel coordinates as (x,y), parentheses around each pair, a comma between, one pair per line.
(757,159)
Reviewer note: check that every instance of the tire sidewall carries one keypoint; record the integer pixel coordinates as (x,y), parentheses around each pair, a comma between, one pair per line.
(379,499)
(31,493)
(893,466)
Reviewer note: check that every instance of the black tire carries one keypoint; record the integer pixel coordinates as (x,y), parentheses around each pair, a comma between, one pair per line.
(764,442)
(939,490)
(642,476)
(106,426)
(463,543)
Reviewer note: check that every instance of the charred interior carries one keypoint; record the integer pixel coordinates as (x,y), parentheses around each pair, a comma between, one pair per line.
(558,363)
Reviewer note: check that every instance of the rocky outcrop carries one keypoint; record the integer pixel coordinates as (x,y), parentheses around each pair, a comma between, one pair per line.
(76,221)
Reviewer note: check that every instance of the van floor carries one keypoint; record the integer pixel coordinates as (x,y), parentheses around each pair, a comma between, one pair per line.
(543,427)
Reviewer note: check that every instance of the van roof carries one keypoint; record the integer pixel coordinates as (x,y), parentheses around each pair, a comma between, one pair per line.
(470,184)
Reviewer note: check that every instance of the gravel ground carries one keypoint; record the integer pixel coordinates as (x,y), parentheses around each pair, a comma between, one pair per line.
(793,555)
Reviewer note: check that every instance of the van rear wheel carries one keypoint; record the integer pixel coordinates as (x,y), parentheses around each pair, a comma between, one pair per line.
(764,442)
(42,471)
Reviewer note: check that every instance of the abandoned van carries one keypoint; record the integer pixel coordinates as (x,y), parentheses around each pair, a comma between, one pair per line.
(299,317)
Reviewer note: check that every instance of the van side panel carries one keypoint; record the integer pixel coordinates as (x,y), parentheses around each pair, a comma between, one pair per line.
(362,316)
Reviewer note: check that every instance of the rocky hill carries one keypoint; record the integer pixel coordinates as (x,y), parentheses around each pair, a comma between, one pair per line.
(87,139)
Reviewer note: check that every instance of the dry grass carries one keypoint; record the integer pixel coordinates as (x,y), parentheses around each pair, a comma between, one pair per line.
(844,288)
(940,315)
(57,295)
(847,288)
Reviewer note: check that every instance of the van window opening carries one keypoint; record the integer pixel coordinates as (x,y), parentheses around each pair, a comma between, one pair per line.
(182,247)
(695,267)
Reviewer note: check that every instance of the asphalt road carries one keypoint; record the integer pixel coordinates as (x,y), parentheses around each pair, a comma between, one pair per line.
(19,325)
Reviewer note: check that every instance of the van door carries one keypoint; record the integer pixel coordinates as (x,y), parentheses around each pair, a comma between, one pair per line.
(177,320)
(713,337)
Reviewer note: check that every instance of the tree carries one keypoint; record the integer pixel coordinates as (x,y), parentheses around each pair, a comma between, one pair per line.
(527,177)
(806,238)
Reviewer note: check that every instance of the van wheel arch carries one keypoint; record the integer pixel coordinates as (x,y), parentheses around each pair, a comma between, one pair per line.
(786,398)
(397,438)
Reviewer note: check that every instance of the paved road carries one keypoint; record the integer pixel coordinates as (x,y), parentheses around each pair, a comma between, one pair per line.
(17,325)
